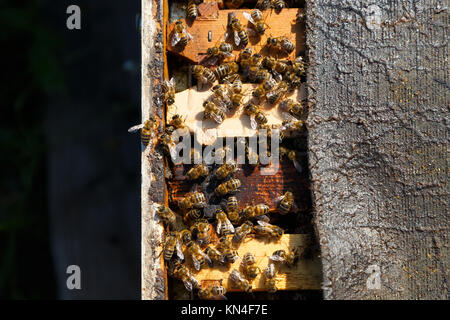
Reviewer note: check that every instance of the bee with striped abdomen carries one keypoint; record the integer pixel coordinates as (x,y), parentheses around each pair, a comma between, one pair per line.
(166,215)
(147,130)
(292,155)
(214,254)
(168,89)
(213,292)
(192,9)
(181,272)
(263,4)
(289,258)
(172,245)
(250,269)
(278,5)
(196,172)
(221,96)
(225,170)
(203,74)
(224,226)
(270,281)
(226,248)
(192,216)
(239,281)
(180,35)
(295,108)
(257,20)
(228,187)
(240,35)
(213,112)
(201,231)
(257,117)
(286,203)
(266,229)
(282,44)
(242,232)
(226,69)
(199,258)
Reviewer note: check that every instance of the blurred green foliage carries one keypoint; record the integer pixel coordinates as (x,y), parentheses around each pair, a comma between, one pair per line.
(30,72)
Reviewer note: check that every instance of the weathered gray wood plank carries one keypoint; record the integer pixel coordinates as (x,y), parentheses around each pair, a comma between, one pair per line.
(378,135)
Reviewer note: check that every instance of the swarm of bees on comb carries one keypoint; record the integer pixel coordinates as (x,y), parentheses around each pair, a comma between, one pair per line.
(188,246)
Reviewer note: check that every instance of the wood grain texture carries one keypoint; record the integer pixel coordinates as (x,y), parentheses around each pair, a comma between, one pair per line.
(378,140)
(189,104)
(153,189)
(305,275)
(281,24)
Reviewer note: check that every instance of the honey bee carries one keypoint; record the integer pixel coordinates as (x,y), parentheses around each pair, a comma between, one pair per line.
(213,112)
(171,246)
(168,89)
(225,170)
(256,18)
(199,258)
(228,187)
(257,117)
(226,248)
(239,281)
(289,126)
(233,4)
(147,130)
(245,54)
(219,51)
(214,254)
(202,74)
(280,43)
(286,203)
(250,270)
(293,156)
(180,35)
(224,226)
(192,10)
(185,236)
(232,204)
(294,80)
(198,171)
(266,229)
(278,5)
(270,274)
(294,108)
(201,230)
(276,66)
(213,292)
(255,211)
(232,210)
(192,216)
(193,200)
(182,273)
(242,231)
(277,94)
(166,215)
(177,122)
(226,69)
(168,145)
(263,4)
(298,66)
(289,258)
(240,35)
(221,96)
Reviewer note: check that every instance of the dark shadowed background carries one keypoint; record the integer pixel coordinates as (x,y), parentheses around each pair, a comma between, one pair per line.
(70,170)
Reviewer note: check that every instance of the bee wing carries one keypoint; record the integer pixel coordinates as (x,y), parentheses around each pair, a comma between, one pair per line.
(136,127)
(196,263)
(248,16)
(277,76)
(212,60)
(236,276)
(175,39)
(253,122)
(297,165)
(263,218)
(190,36)
(208,259)
(188,285)
(275,257)
(288,116)
(228,54)
(219,227)
(230,226)
(179,250)
(237,39)
(172,82)
(280,198)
